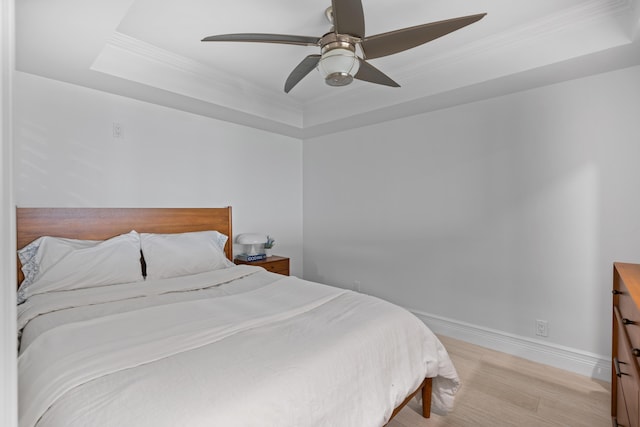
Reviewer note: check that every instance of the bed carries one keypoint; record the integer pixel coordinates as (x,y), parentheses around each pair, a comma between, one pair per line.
(193,342)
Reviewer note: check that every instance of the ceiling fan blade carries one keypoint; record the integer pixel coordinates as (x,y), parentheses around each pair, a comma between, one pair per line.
(369,73)
(301,70)
(396,41)
(264,38)
(348,17)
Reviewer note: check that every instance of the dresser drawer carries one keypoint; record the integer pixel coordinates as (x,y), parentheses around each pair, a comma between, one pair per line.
(627,372)
(625,375)
(274,264)
(630,315)
(621,417)
(280,267)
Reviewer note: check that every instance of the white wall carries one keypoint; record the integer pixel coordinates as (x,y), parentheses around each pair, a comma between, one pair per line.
(8,395)
(66,155)
(494,213)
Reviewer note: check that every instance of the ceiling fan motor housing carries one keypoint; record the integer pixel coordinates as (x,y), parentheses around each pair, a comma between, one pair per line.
(338,62)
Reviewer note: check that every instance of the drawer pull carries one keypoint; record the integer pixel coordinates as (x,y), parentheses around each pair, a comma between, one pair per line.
(636,352)
(628,322)
(616,365)
(616,292)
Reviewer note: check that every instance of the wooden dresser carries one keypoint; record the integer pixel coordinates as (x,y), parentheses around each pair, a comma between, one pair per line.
(625,374)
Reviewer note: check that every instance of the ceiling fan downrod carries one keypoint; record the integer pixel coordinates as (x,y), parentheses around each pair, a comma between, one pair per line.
(328,13)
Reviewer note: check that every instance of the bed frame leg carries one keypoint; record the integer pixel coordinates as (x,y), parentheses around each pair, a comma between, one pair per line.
(426,398)
(425,387)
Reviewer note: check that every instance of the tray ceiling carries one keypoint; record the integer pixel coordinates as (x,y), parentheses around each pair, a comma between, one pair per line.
(151,50)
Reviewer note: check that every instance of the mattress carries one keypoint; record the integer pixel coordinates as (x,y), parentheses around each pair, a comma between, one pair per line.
(233,347)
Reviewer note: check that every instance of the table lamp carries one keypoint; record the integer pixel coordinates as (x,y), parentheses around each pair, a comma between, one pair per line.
(253,243)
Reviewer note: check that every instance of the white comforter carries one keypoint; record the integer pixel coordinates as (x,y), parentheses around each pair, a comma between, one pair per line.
(234,347)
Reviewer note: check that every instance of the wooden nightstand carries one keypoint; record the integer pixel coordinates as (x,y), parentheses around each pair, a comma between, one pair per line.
(275,264)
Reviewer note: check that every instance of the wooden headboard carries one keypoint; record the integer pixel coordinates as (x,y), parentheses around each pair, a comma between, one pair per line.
(103,223)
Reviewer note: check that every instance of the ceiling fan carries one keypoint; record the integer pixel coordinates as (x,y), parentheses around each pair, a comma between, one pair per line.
(338,61)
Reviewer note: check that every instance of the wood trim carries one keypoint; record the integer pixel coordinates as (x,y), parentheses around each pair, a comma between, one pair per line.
(103,223)
(427,389)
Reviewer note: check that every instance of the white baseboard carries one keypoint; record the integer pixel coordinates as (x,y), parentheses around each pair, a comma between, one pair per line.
(570,359)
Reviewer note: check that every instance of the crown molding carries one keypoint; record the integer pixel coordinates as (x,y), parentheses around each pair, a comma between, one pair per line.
(490,57)
(176,73)
(570,19)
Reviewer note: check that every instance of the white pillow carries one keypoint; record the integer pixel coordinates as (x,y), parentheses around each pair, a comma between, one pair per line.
(181,254)
(33,260)
(52,263)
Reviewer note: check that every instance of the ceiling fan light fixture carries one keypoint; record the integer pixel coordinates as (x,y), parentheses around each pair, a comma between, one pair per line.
(338,66)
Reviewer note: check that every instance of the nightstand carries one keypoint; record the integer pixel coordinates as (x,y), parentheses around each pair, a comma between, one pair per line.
(274,264)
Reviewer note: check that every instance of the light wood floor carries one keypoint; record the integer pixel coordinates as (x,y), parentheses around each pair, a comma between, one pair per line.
(503,390)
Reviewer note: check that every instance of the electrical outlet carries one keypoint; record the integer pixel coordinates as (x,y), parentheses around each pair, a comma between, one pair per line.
(542,328)
(118,131)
